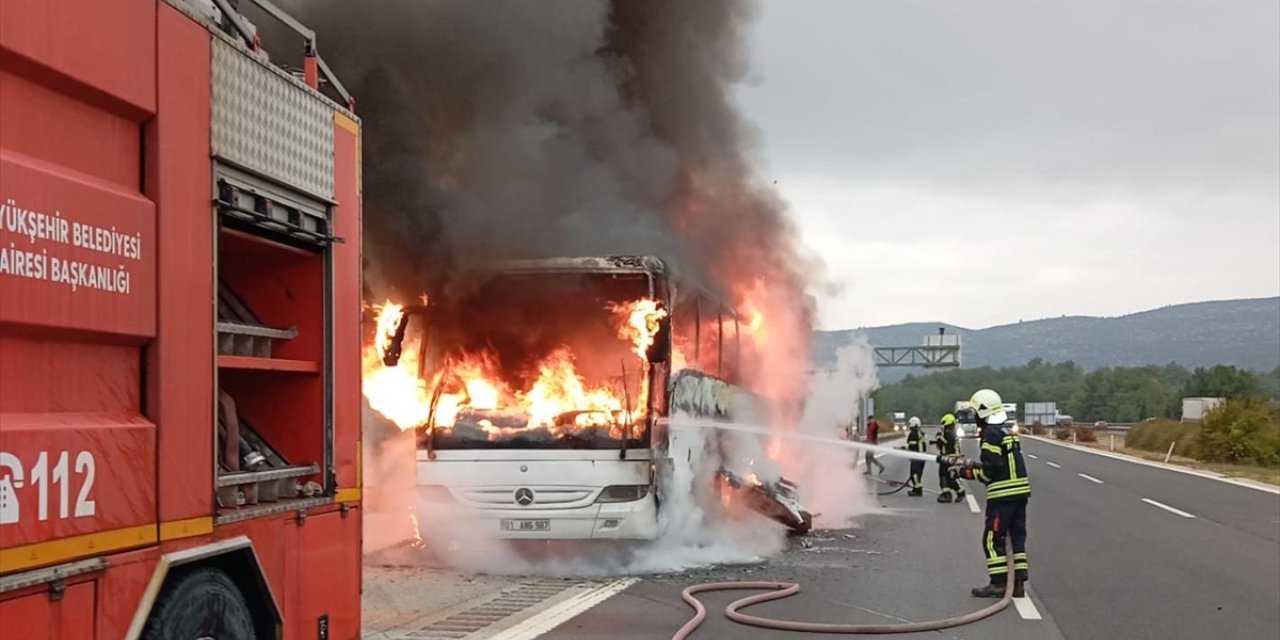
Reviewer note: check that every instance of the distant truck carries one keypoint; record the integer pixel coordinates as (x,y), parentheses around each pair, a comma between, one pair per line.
(966,420)
(1194,409)
(899,420)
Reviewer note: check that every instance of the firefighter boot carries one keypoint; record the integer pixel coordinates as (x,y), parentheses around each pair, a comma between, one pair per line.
(988,591)
(945,496)
(1019,589)
(915,493)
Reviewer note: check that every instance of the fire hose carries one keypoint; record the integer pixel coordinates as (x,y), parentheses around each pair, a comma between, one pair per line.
(902,484)
(781,590)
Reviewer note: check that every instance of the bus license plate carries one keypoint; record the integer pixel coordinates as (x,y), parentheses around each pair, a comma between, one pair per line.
(526,525)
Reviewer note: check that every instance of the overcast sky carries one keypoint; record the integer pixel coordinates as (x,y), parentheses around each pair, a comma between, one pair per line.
(990,161)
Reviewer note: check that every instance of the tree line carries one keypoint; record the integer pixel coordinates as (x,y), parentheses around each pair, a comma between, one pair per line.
(1116,394)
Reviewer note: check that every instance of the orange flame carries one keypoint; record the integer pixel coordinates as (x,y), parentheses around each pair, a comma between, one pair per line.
(559,389)
(752,320)
(642,318)
(389,316)
(472,382)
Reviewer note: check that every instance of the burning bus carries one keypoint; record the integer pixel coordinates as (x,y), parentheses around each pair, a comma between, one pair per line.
(540,393)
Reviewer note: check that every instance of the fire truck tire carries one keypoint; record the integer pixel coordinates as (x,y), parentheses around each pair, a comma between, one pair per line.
(201,603)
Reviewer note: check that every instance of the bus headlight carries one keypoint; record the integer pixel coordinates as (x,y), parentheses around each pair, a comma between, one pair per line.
(623,493)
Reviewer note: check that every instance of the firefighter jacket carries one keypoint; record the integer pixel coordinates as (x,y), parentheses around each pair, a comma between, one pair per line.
(916,441)
(947,442)
(1003,469)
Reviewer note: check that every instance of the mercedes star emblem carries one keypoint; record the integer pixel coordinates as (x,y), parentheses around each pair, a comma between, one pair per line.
(524,497)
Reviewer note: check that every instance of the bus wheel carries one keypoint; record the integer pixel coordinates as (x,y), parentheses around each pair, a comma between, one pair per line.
(201,603)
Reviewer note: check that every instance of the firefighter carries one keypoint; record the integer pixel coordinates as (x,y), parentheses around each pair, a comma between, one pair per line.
(948,443)
(1003,470)
(916,443)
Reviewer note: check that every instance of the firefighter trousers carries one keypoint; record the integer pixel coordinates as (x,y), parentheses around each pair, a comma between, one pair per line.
(1006,517)
(917,475)
(948,484)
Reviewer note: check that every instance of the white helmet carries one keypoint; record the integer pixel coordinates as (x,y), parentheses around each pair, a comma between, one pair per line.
(989,406)
(913,422)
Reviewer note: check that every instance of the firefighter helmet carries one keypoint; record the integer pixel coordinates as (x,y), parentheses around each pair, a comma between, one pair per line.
(913,422)
(948,420)
(989,406)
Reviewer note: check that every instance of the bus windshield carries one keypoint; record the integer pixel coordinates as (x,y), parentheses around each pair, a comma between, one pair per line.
(535,360)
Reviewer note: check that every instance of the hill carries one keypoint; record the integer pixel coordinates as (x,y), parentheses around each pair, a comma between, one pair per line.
(1243,333)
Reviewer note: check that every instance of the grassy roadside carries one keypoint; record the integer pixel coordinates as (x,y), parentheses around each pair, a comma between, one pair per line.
(1248,472)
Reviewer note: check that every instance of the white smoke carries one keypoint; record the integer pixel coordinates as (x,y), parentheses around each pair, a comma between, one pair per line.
(390,485)
(830,485)
(695,529)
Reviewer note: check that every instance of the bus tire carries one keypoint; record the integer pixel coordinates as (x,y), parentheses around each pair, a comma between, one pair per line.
(200,603)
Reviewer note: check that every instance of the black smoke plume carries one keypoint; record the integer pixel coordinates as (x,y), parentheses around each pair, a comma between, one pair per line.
(564,127)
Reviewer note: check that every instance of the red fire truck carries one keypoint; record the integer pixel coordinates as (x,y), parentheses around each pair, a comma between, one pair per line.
(179,325)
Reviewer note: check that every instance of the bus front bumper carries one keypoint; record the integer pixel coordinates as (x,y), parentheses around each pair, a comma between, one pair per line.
(635,520)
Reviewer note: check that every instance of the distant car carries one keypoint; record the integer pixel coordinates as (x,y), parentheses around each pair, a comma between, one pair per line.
(1101,424)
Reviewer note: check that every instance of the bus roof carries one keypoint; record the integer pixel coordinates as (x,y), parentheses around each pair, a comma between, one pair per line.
(587,264)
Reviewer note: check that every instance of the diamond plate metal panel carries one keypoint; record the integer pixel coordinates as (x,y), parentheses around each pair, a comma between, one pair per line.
(265,122)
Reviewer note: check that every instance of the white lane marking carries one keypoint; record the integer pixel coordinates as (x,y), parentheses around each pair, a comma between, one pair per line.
(1033,456)
(1248,484)
(1167,508)
(1090,478)
(973,502)
(555,616)
(1026,608)
(1054,465)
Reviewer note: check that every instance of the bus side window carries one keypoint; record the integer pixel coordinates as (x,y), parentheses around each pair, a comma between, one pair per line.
(709,355)
(684,333)
(730,343)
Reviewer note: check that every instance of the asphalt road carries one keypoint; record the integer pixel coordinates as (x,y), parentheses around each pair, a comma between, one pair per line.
(1113,546)
(1107,562)
(913,559)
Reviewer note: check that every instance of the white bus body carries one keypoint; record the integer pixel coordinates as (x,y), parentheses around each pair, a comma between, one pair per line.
(539,490)
(542,494)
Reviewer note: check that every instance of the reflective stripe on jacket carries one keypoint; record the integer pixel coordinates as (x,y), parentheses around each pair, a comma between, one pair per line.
(1003,469)
(916,441)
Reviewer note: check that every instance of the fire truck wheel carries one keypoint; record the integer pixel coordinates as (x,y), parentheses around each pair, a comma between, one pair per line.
(203,603)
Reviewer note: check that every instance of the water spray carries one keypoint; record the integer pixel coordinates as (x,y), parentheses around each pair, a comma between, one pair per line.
(804,437)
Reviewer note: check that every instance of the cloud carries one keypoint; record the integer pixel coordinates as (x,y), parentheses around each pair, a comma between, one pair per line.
(1120,153)
(910,255)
